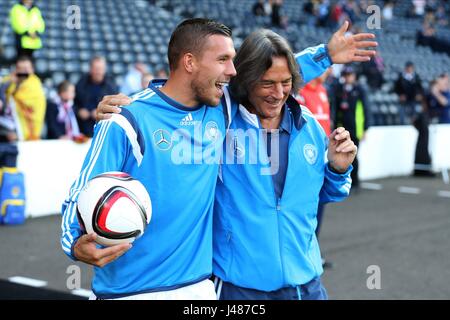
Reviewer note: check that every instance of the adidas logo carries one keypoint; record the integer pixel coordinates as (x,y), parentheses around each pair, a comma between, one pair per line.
(188,120)
(188,117)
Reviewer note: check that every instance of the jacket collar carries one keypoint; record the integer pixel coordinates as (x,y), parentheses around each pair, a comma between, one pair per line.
(296,111)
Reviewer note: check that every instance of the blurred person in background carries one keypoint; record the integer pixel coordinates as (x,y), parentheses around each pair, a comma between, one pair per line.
(441,16)
(25,94)
(8,136)
(373,70)
(28,25)
(145,81)
(162,74)
(388,10)
(418,8)
(258,8)
(352,10)
(279,19)
(442,94)
(422,157)
(60,116)
(314,96)
(133,79)
(90,90)
(351,111)
(431,102)
(310,8)
(409,88)
(440,98)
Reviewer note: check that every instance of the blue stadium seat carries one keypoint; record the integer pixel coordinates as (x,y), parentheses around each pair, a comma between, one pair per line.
(119,68)
(41,66)
(58,77)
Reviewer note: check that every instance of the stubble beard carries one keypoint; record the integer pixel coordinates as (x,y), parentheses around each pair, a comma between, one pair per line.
(201,94)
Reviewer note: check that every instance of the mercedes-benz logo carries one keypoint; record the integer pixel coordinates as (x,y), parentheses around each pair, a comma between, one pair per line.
(162,139)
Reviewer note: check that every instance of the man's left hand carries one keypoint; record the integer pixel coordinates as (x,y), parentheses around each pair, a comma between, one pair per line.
(341,150)
(347,49)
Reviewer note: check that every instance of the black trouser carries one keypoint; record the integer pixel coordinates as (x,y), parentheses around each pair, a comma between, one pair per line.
(422,158)
(8,154)
(354,173)
(22,51)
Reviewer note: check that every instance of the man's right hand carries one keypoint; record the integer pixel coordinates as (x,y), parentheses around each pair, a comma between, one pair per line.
(110,104)
(86,250)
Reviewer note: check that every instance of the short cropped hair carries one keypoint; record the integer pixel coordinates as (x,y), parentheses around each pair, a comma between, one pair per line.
(254,58)
(23,58)
(191,36)
(97,58)
(63,86)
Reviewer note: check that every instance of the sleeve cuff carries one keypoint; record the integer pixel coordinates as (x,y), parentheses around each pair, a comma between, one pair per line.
(72,248)
(322,57)
(327,54)
(337,175)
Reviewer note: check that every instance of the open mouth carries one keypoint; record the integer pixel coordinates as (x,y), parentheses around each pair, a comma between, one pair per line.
(274,103)
(220,85)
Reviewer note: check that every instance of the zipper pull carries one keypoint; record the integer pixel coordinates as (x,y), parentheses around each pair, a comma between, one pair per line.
(278,204)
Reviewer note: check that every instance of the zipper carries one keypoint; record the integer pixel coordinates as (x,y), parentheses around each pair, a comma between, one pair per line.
(278,210)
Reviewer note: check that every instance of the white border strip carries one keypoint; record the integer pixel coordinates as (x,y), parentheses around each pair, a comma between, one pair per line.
(444,194)
(409,190)
(82,292)
(371,186)
(28,281)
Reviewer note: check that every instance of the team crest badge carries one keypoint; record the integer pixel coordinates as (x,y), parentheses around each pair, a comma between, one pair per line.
(310,153)
(211,131)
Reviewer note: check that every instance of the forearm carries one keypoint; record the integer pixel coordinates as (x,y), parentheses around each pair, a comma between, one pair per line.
(336,186)
(313,61)
(71,230)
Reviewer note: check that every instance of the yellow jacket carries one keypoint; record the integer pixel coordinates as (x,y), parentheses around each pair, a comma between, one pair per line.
(30,104)
(24,22)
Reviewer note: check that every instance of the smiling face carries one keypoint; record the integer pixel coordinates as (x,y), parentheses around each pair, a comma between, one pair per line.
(270,93)
(213,69)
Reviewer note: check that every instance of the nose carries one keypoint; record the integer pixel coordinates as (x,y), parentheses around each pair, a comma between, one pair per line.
(278,91)
(231,71)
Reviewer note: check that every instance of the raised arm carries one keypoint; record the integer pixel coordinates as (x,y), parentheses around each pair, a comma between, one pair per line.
(341,48)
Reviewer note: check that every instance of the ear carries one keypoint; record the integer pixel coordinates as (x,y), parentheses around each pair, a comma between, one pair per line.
(189,62)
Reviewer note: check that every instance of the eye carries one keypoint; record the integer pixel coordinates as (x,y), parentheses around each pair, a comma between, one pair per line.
(267,85)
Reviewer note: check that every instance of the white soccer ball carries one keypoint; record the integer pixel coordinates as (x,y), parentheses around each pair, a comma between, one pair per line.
(115,206)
